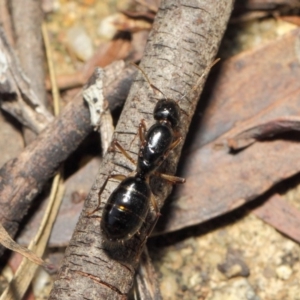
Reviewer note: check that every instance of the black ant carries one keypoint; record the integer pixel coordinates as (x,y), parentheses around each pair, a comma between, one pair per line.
(128,205)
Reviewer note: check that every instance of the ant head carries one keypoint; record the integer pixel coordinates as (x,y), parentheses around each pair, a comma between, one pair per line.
(167,109)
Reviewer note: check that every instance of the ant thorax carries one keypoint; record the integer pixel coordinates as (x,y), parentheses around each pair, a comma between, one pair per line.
(158,139)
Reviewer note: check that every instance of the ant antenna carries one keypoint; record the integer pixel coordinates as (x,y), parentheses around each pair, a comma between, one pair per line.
(207,69)
(148,80)
(193,89)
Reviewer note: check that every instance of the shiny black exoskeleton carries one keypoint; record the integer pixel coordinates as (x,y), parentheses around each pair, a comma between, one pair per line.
(128,205)
(160,136)
(126,209)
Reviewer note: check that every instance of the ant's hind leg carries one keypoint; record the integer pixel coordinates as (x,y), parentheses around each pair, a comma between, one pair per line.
(154,204)
(123,151)
(172,179)
(157,215)
(116,176)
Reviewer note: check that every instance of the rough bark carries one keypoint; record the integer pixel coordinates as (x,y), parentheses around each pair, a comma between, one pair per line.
(22,178)
(184,40)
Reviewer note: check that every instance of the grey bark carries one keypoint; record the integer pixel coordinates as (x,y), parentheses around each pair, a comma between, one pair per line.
(184,40)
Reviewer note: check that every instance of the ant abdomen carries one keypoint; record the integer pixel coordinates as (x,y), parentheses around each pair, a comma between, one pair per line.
(126,209)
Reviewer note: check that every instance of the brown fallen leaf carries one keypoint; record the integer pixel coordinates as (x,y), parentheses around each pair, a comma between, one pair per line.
(246,92)
(265,130)
(281,215)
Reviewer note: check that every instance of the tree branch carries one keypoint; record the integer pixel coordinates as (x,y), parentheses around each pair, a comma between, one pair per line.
(184,40)
(27,18)
(22,178)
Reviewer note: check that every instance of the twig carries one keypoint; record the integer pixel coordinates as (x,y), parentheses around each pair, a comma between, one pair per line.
(54,88)
(9,243)
(184,40)
(22,178)
(16,94)
(19,284)
(27,17)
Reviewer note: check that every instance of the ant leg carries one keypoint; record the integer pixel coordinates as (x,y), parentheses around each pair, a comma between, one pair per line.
(142,130)
(154,204)
(115,176)
(158,214)
(177,134)
(205,72)
(142,133)
(172,146)
(119,177)
(207,69)
(156,209)
(172,179)
(124,152)
(175,144)
(148,80)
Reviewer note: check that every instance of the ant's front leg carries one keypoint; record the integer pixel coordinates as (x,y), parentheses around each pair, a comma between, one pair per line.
(172,146)
(142,135)
(142,130)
